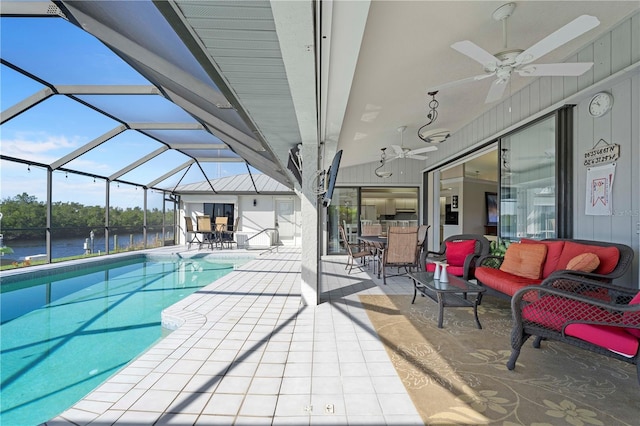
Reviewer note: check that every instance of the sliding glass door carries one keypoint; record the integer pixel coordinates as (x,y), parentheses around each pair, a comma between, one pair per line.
(343,210)
(528,182)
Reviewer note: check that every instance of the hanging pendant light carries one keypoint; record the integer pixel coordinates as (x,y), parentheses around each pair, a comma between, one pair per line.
(383,158)
(434,136)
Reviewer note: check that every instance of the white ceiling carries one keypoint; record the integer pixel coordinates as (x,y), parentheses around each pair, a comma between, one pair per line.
(406,51)
(347,72)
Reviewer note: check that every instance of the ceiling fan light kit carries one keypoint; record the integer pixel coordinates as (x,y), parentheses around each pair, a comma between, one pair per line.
(402,152)
(383,158)
(504,63)
(434,136)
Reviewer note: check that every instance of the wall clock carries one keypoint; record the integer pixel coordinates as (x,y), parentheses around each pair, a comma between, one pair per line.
(600,104)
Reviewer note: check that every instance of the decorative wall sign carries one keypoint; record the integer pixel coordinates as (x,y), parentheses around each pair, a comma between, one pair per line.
(600,190)
(454,201)
(602,152)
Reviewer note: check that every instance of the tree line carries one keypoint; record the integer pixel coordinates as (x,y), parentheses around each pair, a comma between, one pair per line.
(24,211)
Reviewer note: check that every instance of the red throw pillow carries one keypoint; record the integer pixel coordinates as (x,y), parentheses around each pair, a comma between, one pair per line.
(457,251)
(633,317)
(554,250)
(585,262)
(524,260)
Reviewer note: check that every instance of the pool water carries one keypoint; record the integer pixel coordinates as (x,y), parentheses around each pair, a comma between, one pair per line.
(64,335)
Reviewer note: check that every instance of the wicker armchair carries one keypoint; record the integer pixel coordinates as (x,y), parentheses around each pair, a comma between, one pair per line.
(481,248)
(593,315)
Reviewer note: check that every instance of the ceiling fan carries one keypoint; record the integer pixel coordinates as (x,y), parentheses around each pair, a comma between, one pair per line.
(402,152)
(504,63)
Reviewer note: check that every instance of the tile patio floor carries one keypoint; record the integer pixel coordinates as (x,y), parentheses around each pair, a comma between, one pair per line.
(249,353)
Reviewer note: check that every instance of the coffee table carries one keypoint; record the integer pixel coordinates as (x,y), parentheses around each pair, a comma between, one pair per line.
(448,294)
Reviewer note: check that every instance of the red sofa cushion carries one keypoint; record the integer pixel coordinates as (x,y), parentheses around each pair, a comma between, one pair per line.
(616,339)
(554,250)
(524,260)
(633,317)
(458,271)
(609,256)
(501,281)
(554,312)
(457,251)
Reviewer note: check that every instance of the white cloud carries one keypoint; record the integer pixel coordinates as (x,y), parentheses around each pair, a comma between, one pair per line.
(38,146)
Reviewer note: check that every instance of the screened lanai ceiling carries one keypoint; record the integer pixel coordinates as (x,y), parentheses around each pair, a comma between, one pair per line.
(114,90)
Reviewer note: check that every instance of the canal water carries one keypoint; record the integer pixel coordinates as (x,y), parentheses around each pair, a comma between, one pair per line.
(65,247)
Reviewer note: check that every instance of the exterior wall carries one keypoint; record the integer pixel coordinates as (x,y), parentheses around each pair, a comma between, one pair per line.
(616,57)
(616,69)
(406,172)
(253,219)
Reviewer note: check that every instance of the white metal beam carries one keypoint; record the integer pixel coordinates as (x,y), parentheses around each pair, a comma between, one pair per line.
(29,8)
(25,104)
(220,160)
(170,173)
(199,146)
(88,146)
(166,126)
(80,89)
(140,161)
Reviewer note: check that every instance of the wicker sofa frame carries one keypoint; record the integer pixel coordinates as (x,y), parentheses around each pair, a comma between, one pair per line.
(579,301)
(624,262)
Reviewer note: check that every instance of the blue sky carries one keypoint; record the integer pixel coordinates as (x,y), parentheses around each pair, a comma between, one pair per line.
(60,53)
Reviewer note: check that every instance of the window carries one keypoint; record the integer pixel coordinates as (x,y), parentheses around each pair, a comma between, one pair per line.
(527,186)
(214,210)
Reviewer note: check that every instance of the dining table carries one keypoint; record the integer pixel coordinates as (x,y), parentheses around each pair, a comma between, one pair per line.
(376,243)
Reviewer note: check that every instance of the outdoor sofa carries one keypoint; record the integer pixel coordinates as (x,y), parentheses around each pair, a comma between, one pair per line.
(529,262)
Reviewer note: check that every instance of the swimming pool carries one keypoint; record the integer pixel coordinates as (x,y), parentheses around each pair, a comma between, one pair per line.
(64,334)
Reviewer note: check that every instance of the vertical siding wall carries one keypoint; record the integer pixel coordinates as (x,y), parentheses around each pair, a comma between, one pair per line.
(612,53)
(405,172)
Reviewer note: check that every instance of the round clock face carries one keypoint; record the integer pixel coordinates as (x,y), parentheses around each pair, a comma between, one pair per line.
(600,104)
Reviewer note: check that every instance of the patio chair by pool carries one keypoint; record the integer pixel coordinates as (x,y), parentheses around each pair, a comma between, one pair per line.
(188,229)
(227,236)
(220,229)
(204,229)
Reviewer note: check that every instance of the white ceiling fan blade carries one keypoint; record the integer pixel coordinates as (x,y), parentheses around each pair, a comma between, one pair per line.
(463,81)
(475,52)
(422,150)
(397,149)
(496,90)
(573,29)
(562,69)
(388,160)
(417,157)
